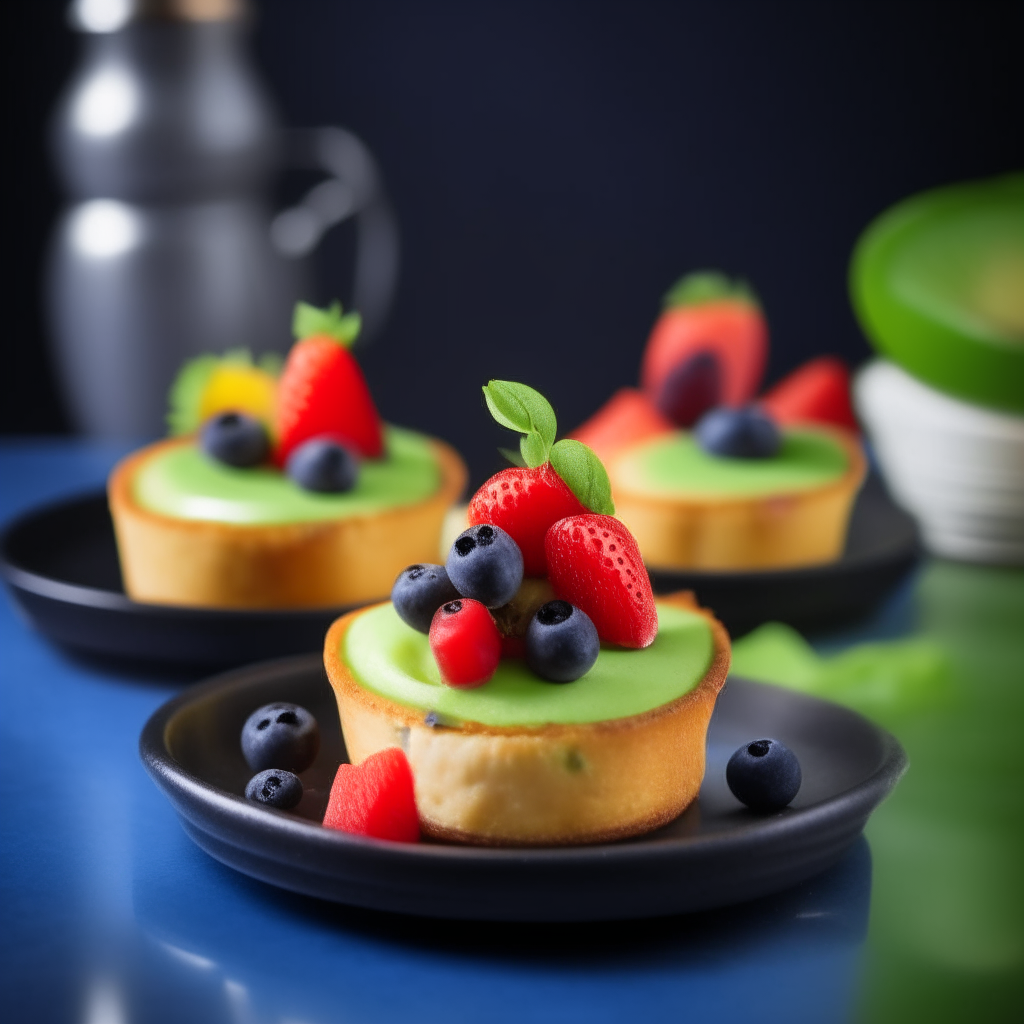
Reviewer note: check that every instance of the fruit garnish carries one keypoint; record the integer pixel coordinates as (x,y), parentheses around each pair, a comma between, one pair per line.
(707,314)
(322,391)
(561,642)
(746,433)
(628,417)
(375,798)
(274,788)
(465,643)
(595,564)
(419,591)
(765,775)
(235,439)
(485,564)
(324,465)
(282,736)
(691,388)
(513,619)
(558,479)
(817,392)
(211,384)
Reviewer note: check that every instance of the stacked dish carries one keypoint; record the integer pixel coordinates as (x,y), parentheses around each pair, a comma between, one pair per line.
(959,468)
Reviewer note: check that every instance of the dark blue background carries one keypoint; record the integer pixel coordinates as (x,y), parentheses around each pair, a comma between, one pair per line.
(556,165)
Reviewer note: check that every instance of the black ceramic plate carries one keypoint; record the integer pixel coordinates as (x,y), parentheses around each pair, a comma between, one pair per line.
(61,565)
(715,854)
(882,546)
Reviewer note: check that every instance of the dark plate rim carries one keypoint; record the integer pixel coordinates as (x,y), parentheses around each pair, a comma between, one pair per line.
(55,589)
(182,787)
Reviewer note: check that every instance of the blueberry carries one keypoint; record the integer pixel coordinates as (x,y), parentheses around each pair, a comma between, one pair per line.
(747,433)
(485,563)
(235,439)
(764,775)
(323,464)
(281,736)
(561,642)
(693,387)
(419,591)
(274,788)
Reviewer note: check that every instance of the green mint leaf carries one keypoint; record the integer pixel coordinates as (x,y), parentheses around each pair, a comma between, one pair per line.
(709,286)
(186,394)
(521,408)
(308,321)
(514,457)
(584,475)
(535,452)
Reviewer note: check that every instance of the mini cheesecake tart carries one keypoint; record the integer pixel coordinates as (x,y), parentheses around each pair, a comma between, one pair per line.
(192,531)
(689,509)
(522,762)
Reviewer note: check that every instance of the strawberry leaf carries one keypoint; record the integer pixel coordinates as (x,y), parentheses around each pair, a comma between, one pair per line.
(186,394)
(584,475)
(709,286)
(521,408)
(308,321)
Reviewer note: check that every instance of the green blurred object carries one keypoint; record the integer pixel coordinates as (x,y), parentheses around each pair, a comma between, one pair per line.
(946,938)
(937,283)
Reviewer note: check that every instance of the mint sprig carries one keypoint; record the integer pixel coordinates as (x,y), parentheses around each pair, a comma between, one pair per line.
(308,321)
(584,475)
(520,408)
(527,411)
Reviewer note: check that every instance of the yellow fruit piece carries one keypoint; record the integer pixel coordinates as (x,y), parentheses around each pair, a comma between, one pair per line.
(240,388)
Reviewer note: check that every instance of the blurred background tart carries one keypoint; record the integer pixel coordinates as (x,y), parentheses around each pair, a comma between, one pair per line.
(280,493)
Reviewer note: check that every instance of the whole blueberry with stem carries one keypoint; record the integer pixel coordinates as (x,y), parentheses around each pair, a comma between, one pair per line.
(561,642)
(236,439)
(485,564)
(280,735)
(764,774)
(419,591)
(323,464)
(275,788)
(747,433)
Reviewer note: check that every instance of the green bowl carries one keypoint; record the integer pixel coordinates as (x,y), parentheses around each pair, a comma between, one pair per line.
(937,283)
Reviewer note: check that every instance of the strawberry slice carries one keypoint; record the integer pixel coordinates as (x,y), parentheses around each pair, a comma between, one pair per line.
(524,503)
(375,798)
(595,564)
(707,314)
(817,392)
(628,417)
(322,390)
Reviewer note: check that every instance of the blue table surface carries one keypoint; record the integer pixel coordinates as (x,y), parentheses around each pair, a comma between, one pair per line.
(111,914)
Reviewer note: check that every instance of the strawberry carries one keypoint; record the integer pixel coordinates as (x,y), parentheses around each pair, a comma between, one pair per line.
(595,564)
(375,798)
(818,392)
(524,503)
(706,313)
(322,391)
(628,417)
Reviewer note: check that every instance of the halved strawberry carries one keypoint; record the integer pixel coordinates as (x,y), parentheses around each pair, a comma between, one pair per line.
(595,564)
(707,314)
(322,390)
(628,417)
(375,798)
(817,392)
(524,503)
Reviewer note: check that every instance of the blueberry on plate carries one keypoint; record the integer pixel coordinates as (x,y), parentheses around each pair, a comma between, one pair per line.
(693,387)
(764,775)
(419,591)
(485,564)
(323,464)
(281,736)
(747,433)
(275,788)
(235,439)
(561,642)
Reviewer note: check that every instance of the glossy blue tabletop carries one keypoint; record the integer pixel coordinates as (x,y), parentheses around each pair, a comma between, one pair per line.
(111,915)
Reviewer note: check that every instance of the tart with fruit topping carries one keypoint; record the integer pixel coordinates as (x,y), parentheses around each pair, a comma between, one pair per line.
(540,693)
(706,476)
(280,492)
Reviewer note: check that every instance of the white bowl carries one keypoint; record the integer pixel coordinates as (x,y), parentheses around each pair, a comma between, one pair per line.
(958,468)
